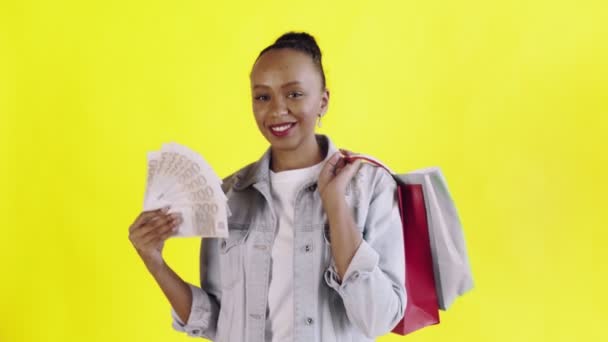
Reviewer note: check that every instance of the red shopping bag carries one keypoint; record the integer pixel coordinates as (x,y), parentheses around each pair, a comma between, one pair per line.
(422,307)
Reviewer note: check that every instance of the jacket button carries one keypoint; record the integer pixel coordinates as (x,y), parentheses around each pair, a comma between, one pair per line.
(223,245)
(312,187)
(196,331)
(309,321)
(307,248)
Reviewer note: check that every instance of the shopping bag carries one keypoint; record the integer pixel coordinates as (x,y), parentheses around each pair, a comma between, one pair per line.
(453,276)
(422,304)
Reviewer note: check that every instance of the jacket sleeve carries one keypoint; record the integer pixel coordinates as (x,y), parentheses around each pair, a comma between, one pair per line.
(202,321)
(373,287)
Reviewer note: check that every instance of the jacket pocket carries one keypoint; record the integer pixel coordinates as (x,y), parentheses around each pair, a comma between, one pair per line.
(231,257)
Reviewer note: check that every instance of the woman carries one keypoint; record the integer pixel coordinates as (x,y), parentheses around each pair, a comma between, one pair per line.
(315,247)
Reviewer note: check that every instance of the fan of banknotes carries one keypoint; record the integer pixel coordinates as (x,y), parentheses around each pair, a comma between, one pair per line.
(181,178)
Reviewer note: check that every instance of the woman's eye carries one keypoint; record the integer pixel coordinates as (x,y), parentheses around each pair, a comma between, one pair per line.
(295,94)
(261,97)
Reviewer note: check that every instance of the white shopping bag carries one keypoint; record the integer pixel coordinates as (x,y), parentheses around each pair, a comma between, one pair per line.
(453,275)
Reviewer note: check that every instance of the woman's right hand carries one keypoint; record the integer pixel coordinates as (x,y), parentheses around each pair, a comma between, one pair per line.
(150,230)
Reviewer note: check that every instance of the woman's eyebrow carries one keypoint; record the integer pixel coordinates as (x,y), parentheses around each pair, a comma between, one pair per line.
(283,86)
(290,84)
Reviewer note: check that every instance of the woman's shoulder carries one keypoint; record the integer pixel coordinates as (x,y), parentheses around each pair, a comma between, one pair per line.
(374,178)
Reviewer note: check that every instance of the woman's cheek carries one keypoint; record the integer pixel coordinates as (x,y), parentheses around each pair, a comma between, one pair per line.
(258,114)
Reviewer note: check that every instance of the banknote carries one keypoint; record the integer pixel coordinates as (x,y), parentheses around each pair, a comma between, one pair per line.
(179,166)
(153,159)
(180,177)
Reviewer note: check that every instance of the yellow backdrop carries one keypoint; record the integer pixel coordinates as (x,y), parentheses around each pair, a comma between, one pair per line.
(510,98)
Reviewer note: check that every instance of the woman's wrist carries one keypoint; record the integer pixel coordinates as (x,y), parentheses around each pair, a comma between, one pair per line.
(153,262)
(333,204)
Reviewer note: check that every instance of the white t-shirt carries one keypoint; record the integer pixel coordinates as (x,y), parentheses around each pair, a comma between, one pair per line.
(283,187)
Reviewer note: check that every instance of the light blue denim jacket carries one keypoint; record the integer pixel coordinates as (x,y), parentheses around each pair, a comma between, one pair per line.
(231,304)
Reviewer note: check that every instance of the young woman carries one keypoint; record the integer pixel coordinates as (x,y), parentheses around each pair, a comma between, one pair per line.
(315,246)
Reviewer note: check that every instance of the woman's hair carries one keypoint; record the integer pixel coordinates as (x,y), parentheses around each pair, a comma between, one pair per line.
(303,42)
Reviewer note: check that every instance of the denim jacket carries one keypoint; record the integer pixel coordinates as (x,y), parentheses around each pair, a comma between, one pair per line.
(231,303)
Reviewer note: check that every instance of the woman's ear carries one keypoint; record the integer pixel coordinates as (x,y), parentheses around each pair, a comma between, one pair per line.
(324,102)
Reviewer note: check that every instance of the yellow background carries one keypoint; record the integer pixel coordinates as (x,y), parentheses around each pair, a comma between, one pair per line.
(510,98)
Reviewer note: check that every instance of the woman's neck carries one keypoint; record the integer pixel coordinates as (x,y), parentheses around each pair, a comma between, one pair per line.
(305,155)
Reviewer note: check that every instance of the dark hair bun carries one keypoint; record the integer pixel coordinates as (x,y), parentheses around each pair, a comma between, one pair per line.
(302,40)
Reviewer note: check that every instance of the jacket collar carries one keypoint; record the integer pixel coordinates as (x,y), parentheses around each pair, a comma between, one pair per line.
(260,171)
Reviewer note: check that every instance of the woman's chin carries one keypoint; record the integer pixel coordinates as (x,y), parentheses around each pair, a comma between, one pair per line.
(284,144)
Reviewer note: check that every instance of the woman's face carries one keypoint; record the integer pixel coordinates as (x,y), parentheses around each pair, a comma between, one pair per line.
(287,97)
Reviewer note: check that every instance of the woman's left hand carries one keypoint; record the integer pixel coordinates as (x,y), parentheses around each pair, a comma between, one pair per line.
(334,176)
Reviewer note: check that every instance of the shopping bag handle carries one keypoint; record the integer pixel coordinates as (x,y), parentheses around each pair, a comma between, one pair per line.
(350,157)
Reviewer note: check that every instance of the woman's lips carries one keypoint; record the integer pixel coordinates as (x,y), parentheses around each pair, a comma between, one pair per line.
(281,130)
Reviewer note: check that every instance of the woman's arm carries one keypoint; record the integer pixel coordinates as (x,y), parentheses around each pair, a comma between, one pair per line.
(189,303)
(175,289)
(148,234)
(344,236)
(204,306)
(368,274)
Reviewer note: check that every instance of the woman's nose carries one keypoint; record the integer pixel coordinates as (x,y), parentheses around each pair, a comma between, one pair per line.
(278,107)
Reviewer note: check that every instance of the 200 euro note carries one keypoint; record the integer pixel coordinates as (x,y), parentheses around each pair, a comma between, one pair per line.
(179,177)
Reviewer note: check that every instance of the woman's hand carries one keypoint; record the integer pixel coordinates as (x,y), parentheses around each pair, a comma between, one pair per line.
(334,176)
(149,232)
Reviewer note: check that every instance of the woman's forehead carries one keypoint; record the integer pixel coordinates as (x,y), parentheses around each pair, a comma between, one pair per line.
(283,65)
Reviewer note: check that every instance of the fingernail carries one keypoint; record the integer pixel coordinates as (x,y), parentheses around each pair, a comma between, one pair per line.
(165,208)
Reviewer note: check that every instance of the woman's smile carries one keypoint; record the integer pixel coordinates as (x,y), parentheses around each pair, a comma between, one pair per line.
(282,129)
